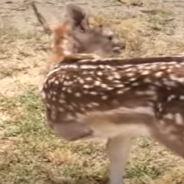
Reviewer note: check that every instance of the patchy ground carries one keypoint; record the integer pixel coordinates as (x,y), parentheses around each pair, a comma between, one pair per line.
(29,153)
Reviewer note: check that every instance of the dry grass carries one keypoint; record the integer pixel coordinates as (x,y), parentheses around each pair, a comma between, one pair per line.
(151,36)
(31,154)
(132,2)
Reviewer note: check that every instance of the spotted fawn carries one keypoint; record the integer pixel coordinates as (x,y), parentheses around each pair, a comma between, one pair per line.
(117,99)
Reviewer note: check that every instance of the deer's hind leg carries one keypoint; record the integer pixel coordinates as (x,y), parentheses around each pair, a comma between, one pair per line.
(120,127)
(169,134)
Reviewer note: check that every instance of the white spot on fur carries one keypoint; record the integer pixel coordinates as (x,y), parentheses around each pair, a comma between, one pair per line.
(146,72)
(135,84)
(85,67)
(43,95)
(149,92)
(61,101)
(60,109)
(120,91)
(117,76)
(104,86)
(132,79)
(169,116)
(181,97)
(130,74)
(48,106)
(69,90)
(158,74)
(171,97)
(77,94)
(97,83)
(89,79)
(169,83)
(56,82)
(99,73)
(178,119)
(93,93)
(147,80)
(120,85)
(53,98)
(104,97)
(86,86)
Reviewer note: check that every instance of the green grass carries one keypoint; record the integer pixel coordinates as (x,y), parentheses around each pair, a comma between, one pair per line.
(31,154)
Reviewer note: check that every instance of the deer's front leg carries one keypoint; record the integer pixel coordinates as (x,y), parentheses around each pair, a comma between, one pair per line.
(118,149)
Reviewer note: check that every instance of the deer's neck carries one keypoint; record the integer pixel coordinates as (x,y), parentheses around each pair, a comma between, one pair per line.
(57,55)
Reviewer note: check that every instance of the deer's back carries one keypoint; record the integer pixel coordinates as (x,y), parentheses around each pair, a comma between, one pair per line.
(100,86)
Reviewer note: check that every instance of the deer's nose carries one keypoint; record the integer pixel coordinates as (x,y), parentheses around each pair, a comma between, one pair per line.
(119,47)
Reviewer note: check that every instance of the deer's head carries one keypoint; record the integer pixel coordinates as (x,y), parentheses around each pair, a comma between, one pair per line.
(76,35)
(91,39)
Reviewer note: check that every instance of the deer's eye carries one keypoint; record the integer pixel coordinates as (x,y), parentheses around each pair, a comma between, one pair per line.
(110,37)
(82,30)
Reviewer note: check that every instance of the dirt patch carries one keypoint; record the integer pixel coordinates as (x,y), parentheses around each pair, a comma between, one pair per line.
(30,153)
(21,15)
(149,28)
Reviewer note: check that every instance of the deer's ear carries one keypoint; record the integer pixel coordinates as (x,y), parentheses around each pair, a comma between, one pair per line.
(77,17)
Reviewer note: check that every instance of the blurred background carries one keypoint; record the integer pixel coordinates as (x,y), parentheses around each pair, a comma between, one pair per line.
(29,153)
